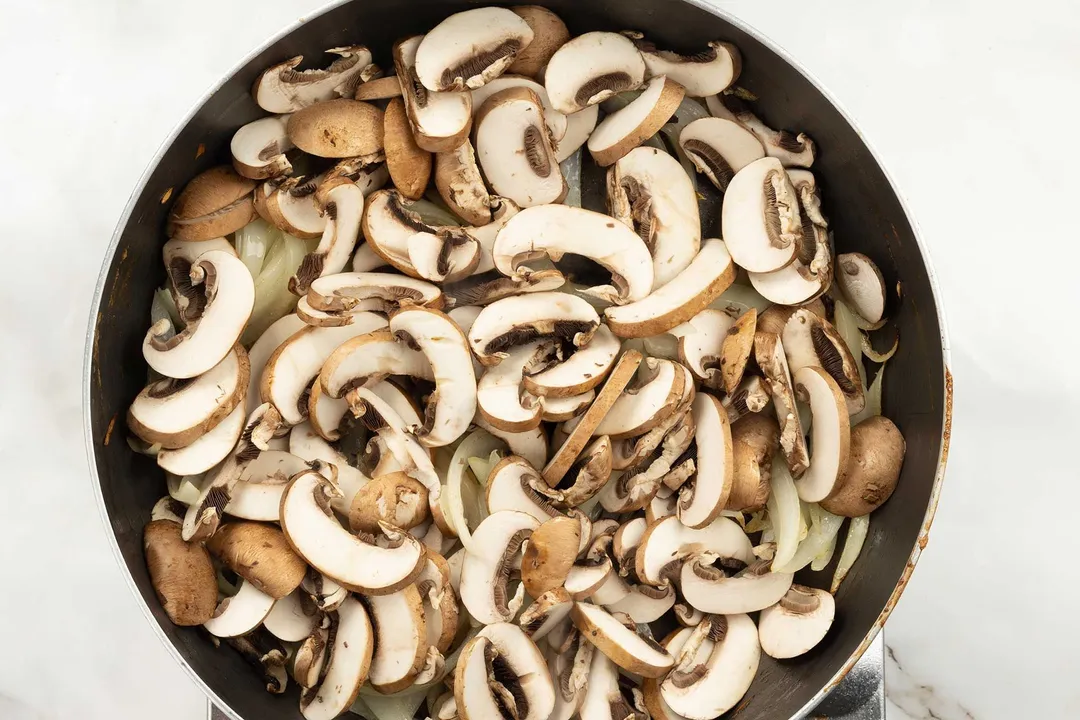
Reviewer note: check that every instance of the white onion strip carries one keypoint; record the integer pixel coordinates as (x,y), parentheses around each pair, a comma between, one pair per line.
(853,544)
(478,443)
(784,512)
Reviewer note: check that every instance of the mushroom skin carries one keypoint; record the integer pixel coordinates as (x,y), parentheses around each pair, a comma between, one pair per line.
(754,441)
(591,68)
(549,34)
(409,165)
(339,128)
(395,499)
(705,688)
(281,88)
(863,285)
(261,555)
(461,186)
(181,573)
(873,469)
(549,554)
(213,204)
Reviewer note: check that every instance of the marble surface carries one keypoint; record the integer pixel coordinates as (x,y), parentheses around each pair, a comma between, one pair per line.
(971,106)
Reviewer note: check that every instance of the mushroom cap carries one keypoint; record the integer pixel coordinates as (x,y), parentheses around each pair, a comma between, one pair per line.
(626,128)
(760,217)
(549,555)
(181,573)
(688,293)
(737,348)
(831,433)
(797,623)
(292,206)
(862,284)
(261,555)
(440,121)
(346,668)
(581,372)
(754,441)
(813,341)
(518,320)
(702,501)
(556,121)
(213,204)
(282,88)
(623,646)
(591,68)
(704,73)
(208,450)
(395,499)
(706,686)
(579,126)
(719,148)
(470,48)
(485,574)
(384,88)
(409,165)
(258,148)
(549,34)
(339,128)
(668,541)
(873,468)
(241,613)
(710,591)
(400,639)
(462,187)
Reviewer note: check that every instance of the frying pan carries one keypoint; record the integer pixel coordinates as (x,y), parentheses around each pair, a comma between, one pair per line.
(866,214)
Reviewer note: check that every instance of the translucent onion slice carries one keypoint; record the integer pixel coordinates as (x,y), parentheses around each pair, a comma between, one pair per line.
(670,133)
(873,399)
(434,213)
(571,170)
(743,297)
(785,513)
(869,351)
(184,488)
(853,544)
(844,321)
(477,444)
(253,243)
(823,529)
(822,561)
(272,297)
(389,707)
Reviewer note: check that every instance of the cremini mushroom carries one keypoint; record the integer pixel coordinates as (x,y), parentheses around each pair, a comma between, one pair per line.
(549,554)
(389,223)
(181,574)
(409,164)
(212,205)
(793,150)
(549,34)
(341,128)
(446,255)
(760,218)
(667,542)
(704,73)
(701,500)
(335,300)
(873,468)
(830,434)
(623,646)
(260,554)
(366,359)
(240,613)
(499,396)
(583,371)
(461,186)
(292,206)
(605,696)
(719,148)
(701,341)
(401,645)
(769,352)
(579,126)
(555,120)
(862,284)
(714,668)
(440,120)
(626,128)
(258,148)
(754,441)
(589,473)
(591,68)
(383,88)
(797,623)
(178,256)
(395,499)
(324,591)
(811,341)
(713,591)
(344,209)
(662,386)
(282,88)
(485,574)
(737,348)
(515,321)
(751,396)
(501,673)
(470,48)
(208,450)
(347,665)
(549,609)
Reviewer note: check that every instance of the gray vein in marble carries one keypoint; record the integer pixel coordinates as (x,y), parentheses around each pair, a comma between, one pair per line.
(918,701)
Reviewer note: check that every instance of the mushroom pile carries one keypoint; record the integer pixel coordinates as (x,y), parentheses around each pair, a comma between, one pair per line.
(443,441)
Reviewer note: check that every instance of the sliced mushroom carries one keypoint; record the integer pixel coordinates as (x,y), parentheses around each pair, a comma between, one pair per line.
(485,575)
(258,148)
(282,88)
(754,441)
(212,205)
(292,206)
(736,350)
(241,613)
(515,321)
(367,173)
(863,285)
(591,68)
(701,340)
(470,48)
(662,386)
(344,210)
(549,554)
(181,573)
(714,668)
(710,590)
(793,150)
(266,655)
(206,340)
(440,120)
(654,460)
(709,274)
(701,501)
(831,432)
(178,256)
(649,191)
(751,396)
(589,473)
(811,341)
(554,230)
(293,618)
(490,286)
(531,444)
(448,254)
(272,338)
(400,639)
(644,603)
(371,291)
(549,609)
(206,451)
(461,186)
(339,128)
(384,88)
(305,443)
(667,542)
(259,554)
(325,591)
(605,697)
(623,646)
(351,652)
(581,372)
(310,657)
(409,165)
(516,150)
(360,564)
(873,468)
(380,417)
(440,601)
(626,128)
(501,673)
(579,126)
(556,121)
(704,73)
(760,218)
(769,351)
(549,34)
(797,623)
(499,396)
(395,499)
(388,225)
(719,148)
(366,359)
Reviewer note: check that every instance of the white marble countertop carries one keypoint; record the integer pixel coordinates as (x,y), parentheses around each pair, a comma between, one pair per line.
(971,106)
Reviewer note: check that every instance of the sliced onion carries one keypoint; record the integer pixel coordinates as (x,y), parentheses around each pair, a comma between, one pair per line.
(432,211)
(823,529)
(390,707)
(481,467)
(185,488)
(736,516)
(822,561)
(758,522)
(272,297)
(671,136)
(869,351)
(743,296)
(143,448)
(662,346)
(253,243)
(689,110)
(478,444)
(618,102)
(164,307)
(873,399)
(571,170)
(656,142)
(785,512)
(366,691)
(853,544)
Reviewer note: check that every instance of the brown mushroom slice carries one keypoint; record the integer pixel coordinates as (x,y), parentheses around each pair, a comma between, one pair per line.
(701,341)
(310,657)
(810,341)
(515,485)
(291,205)
(400,639)
(388,224)
(206,340)
(751,396)
(549,610)
(569,663)
(714,668)
(440,120)
(655,458)
(649,191)
(521,665)
(623,646)
(591,68)
(461,186)
(719,148)
(793,150)
(347,666)
(485,574)
(830,434)
(515,321)
(549,34)
(862,284)
(580,373)
(549,555)
(700,502)
(324,591)
(181,573)
(439,601)
(565,408)
(241,613)
(773,319)
(655,704)
(260,554)
(797,623)
(873,468)
(737,348)
(395,499)
(704,73)
(358,563)
(371,291)
(704,279)
(408,164)
(383,88)
(339,128)
(305,443)
(447,255)
(294,617)
(499,397)
(668,541)
(206,451)
(754,441)
(588,474)
(213,204)
(515,148)
(769,352)
(760,218)
(626,128)
(344,210)
(258,148)
(710,590)
(470,48)
(554,230)
(366,359)
(282,88)
(380,417)
(661,386)
(556,121)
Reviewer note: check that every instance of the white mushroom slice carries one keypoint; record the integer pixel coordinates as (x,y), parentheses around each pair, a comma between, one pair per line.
(366,359)
(625,542)
(473,692)
(830,434)
(379,88)
(549,610)
(791,149)
(515,321)
(241,613)
(584,580)
(446,255)
(709,274)
(579,126)
(499,396)
(807,277)
(754,588)
(470,48)
(591,68)
(370,291)
(501,210)
(812,341)
(569,665)
(491,287)
(556,121)
(769,352)
(282,88)
(604,697)
(655,704)
(649,191)
(705,73)
(346,668)
(556,409)
(380,417)
(367,173)
(760,218)
(208,450)
(532,445)
(623,646)
(461,186)
(326,593)
(297,361)
(554,230)
(515,485)
(719,148)
(701,501)
(660,389)
(343,211)
(700,341)
(264,347)
(485,574)
(797,623)
(644,603)
(714,668)
(440,120)
(667,542)
(439,600)
(389,223)
(359,564)
(206,340)
(626,128)
(581,372)
(292,618)
(400,639)
(451,407)
(178,255)
(521,665)
(292,206)
(258,148)
(751,396)
(862,284)
(516,150)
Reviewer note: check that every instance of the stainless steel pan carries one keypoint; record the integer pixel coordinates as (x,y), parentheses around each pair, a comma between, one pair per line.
(866,214)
